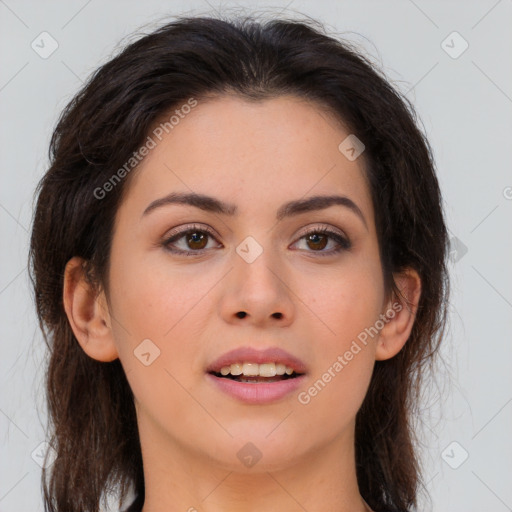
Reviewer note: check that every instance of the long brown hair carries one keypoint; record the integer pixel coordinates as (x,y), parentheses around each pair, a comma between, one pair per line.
(92,422)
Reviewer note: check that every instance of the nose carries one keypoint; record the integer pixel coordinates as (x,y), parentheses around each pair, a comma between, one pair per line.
(258,293)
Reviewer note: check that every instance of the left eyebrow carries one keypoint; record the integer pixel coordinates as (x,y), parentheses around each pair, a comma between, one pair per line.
(214,205)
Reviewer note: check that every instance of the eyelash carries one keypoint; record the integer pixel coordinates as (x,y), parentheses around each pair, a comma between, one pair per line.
(344,243)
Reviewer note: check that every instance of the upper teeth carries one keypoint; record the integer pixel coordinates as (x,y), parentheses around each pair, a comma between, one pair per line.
(256,370)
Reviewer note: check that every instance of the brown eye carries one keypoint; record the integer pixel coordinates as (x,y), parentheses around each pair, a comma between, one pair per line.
(317,240)
(188,242)
(196,240)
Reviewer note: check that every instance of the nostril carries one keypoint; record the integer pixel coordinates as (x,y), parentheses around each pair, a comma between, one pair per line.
(241,314)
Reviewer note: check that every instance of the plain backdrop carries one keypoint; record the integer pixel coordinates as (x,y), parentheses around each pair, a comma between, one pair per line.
(451,58)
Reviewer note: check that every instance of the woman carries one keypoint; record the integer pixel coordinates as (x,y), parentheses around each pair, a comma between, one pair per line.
(239,262)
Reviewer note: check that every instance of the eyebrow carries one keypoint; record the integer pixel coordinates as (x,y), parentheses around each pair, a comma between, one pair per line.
(214,205)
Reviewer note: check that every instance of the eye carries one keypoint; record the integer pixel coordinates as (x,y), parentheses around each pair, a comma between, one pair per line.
(194,241)
(318,238)
(194,237)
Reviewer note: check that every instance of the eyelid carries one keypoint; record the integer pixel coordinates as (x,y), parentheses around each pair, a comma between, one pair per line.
(343,242)
(183,229)
(321,227)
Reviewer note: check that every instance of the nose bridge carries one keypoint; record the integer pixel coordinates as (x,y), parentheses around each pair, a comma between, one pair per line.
(258,267)
(258,285)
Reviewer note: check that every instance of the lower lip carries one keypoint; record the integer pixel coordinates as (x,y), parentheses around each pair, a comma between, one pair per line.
(257,393)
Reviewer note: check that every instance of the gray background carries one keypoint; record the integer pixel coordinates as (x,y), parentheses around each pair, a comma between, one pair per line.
(465,103)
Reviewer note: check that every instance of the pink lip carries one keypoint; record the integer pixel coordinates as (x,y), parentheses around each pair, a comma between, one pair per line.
(257,393)
(251,355)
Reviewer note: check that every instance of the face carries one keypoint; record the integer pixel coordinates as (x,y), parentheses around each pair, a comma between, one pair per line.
(189,285)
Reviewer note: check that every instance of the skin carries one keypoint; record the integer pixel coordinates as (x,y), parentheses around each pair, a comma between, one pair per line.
(258,156)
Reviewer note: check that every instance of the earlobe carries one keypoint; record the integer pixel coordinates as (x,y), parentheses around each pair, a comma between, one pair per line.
(400,313)
(87,313)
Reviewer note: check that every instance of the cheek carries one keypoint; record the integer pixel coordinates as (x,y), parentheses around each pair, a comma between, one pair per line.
(154,321)
(151,318)
(333,398)
(344,362)
(152,299)
(345,303)
(346,309)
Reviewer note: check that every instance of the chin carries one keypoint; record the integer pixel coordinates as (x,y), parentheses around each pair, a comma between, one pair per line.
(258,448)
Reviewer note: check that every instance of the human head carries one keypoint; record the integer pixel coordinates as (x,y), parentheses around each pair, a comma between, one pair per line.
(112,117)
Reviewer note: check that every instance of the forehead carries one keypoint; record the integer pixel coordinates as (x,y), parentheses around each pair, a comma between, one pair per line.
(262,153)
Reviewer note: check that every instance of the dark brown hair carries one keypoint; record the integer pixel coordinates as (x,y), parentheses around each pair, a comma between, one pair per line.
(92,421)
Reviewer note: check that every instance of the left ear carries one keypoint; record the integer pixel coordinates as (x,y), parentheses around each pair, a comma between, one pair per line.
(400,313)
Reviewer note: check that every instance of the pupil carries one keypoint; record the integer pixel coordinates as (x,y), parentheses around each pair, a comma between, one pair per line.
(316,235)
(193,239)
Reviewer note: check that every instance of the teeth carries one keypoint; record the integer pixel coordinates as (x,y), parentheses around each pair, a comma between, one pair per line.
(267,370)
(256,370)
(236,369)
(251,369)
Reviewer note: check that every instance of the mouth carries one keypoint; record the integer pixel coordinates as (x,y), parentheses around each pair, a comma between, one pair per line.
(257,377)
(255,373)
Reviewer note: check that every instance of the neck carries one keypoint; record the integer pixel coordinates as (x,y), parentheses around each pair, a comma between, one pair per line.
(179,479)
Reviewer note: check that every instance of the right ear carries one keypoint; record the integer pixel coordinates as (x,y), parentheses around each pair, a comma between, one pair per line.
(87,312)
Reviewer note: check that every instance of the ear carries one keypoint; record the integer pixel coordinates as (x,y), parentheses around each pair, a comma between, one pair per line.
(400,313)
(87,312)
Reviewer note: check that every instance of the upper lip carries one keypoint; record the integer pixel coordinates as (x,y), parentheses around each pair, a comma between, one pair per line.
(251,355)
